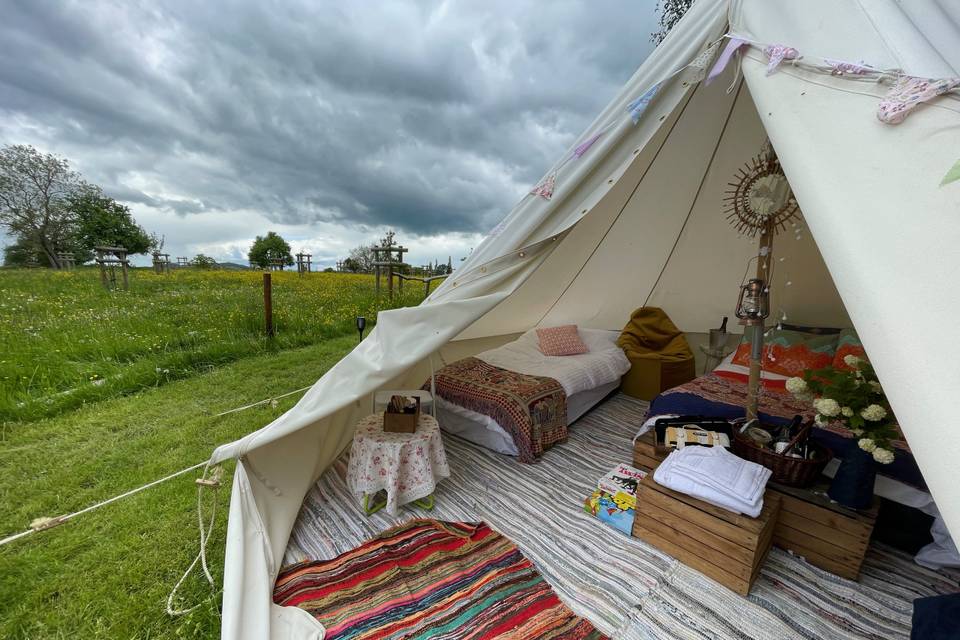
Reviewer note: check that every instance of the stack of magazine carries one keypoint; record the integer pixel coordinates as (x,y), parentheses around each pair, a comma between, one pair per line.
(615,497)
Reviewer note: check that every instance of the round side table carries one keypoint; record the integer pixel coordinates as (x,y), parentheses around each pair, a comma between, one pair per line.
(407,466)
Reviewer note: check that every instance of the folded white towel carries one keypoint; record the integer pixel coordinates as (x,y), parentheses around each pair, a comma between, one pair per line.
(715,475)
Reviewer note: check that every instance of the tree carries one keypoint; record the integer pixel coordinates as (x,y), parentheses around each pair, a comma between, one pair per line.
(268,248)
(101,220)
(352,266)
(35,194)
(22,254)
(670,13)
(363,257)
(203,262)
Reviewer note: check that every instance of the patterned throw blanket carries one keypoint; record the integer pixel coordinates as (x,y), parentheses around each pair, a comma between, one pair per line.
(724,397)
(427,579)
(532,409)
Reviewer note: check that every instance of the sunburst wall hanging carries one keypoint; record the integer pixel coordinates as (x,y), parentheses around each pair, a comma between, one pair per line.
(760,197)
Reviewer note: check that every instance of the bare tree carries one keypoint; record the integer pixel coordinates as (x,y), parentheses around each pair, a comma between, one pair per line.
(362,258)
(670,13)
(35,193)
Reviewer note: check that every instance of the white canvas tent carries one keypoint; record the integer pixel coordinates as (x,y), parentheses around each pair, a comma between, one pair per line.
(638,219)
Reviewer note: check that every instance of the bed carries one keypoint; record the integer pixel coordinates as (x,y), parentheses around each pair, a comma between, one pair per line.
(555,389)
(722,393)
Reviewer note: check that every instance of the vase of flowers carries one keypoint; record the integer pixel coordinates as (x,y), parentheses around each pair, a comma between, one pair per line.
(853,397)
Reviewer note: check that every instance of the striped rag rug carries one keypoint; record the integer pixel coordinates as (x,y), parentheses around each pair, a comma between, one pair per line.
(431,579)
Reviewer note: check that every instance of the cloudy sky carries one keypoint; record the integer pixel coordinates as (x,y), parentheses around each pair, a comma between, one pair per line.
(328,122)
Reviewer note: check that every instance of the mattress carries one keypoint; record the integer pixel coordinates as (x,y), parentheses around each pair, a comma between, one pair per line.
(586,379)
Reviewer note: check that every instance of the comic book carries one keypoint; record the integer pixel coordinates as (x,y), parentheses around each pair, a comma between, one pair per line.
(623,478)
(611,509)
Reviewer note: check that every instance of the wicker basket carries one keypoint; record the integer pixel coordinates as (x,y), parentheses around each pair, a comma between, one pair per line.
(794,472)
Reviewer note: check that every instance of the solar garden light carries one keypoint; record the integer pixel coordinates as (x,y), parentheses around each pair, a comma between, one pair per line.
(361,325)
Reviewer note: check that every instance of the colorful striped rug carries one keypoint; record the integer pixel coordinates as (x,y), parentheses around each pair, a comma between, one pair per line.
(626,588)
(431,579)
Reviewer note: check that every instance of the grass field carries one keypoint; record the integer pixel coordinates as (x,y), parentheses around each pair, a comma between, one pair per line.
(172,352)
(67,341)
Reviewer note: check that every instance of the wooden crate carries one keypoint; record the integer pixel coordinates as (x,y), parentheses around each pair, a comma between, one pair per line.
(646,454)
(829,536)
(725,546)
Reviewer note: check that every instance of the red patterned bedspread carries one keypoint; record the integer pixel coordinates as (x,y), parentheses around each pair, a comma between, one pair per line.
(532,409)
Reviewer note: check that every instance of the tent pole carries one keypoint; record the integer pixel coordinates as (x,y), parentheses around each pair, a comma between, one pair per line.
(764,259)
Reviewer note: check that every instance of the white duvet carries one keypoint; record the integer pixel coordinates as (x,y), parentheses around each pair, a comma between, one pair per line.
(605,362)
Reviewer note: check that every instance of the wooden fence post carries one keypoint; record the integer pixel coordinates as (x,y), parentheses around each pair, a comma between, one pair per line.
(268,304)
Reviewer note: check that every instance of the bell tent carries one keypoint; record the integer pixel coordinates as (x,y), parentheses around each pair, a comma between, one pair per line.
(633,215)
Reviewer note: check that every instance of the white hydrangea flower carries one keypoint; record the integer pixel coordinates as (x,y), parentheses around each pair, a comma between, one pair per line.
(796,385)
(876,386)
(874,413)
(846,412)
(857,432)
(819,420)
(827,406)
(851,360)
(883,456)
(867,444)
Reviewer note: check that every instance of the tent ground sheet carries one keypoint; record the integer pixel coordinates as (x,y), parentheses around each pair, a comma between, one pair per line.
(625,587)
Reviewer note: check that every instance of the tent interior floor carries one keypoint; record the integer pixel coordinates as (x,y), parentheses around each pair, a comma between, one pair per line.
(625,587)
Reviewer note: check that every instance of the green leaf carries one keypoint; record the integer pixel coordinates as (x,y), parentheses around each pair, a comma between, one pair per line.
(952,175)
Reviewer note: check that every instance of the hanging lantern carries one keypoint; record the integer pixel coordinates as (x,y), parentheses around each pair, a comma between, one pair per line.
(753,306)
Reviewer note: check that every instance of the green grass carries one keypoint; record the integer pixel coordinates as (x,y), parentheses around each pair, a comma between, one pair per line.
(107,574)
(68,342)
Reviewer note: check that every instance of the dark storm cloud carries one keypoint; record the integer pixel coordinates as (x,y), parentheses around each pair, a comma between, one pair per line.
(428,117)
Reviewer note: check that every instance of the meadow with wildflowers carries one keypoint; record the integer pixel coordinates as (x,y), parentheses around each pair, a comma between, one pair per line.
(104,391)
(67,341)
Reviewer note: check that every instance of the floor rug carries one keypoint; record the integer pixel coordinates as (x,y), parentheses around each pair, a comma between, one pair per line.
(626,588)
(431,579)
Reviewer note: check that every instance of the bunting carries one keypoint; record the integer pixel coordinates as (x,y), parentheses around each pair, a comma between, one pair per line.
(733,45)
(584,146)
(909,91)
(841,68)
(638,106)
(952,175)
(777,53)
(702,62)
(545,187)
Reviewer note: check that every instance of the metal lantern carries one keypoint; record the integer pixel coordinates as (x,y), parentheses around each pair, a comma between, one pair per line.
(753,306)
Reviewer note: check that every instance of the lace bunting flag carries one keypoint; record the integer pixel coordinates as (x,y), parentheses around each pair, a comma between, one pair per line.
(909,91)
(702,62)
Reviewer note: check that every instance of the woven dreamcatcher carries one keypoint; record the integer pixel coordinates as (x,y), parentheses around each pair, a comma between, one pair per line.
(760,197)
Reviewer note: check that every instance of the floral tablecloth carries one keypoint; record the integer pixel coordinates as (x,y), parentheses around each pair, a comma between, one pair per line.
(406,465)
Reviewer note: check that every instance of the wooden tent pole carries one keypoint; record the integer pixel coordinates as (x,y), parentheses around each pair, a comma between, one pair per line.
(764,260)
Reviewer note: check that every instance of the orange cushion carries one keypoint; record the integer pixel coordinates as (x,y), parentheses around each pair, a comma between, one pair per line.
(561,341)
(790,353)
(848,345)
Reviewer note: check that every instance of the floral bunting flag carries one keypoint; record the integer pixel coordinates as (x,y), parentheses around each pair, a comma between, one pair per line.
(638,106)
(841,68)
(952,175)
(777,53)
(733,44)
(909,91)
(583,146)
(702,61)
(545,187)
